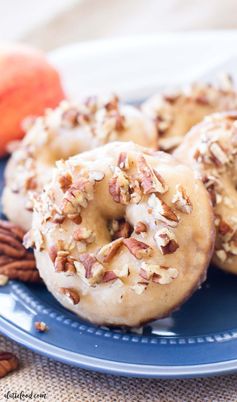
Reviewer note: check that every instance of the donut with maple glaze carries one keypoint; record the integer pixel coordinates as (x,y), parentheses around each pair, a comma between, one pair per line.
(211,149)
(122,235)
(176,112)
(63,132)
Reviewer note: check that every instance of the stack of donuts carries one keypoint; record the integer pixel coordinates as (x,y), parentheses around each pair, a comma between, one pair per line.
(126,206)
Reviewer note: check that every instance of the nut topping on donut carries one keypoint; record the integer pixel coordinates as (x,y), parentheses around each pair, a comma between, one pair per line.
(166,241)
(218,155)
(65,182)
(140,227)
(89,269)
(137,248)
(119,187)
(151,182)
(72,295)
(123,161)
(82,233)
(107,252)
(182,201)
(162,212)
(158,274)
(64,263)
(109,276)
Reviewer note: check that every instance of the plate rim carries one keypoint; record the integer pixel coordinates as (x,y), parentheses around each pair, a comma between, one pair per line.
(112,367)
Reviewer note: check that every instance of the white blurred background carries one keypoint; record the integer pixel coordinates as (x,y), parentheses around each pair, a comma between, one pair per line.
(52,23)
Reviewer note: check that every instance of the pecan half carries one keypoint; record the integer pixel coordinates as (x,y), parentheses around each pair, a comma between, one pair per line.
(159,274)
(137,248)
(151,182)
(71,294)
(23,270)
(15,261)
(8,363)
(182,201)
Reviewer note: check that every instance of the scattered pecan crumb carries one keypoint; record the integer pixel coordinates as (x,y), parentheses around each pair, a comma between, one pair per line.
(40,326)
(8,363)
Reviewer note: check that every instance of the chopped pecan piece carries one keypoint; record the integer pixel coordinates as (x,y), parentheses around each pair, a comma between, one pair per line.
(151,181)
(109,276)
(162,211)
(224,228)
(70,118)
(182,201)
(139,288)
(137,248)
(8,363)
(140,227)
(123,161)
(160,274)
(72,295)
(218,155)
(64,263)
(65,182)
(84,234)
(221,254)
(88,261)
(107,252)
(112,104)
(166,241)
(119,187)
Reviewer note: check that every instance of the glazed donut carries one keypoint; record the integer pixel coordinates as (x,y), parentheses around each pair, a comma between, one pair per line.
(63,132)
(122,235)
(211,149)
(175,113)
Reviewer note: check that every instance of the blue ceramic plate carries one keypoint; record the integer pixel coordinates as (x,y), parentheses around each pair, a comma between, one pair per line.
(200,339)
